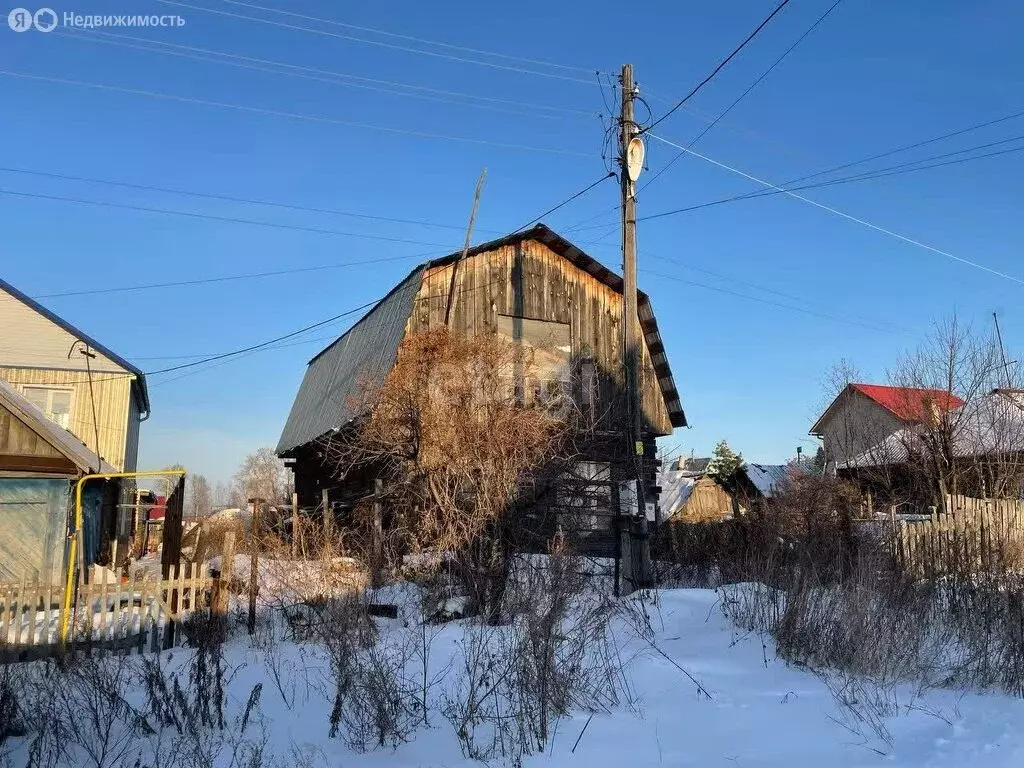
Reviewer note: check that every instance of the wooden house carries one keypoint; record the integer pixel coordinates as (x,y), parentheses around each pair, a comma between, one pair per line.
(40,462)
(77,382)
(540,291)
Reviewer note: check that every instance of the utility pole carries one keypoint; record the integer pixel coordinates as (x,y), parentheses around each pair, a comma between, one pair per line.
(631,162)
(630,322)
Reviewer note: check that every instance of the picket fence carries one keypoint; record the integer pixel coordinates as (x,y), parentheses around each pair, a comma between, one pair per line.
(133,616)
(971,536)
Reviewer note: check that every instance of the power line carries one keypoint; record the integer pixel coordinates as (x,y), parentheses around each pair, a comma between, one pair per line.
(894,170)
(842,214)
(229,278)
(914,145)
(761,300)
(743,95)
(565,202)
(291,115)
(212,217)
(233,199)
(720,66)
(379,43)
(252,275)
(264,343)
(450,46)
(856,320)
(321,75)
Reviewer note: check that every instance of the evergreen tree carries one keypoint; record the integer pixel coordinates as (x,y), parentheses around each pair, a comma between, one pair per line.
(819,460)
(725,463)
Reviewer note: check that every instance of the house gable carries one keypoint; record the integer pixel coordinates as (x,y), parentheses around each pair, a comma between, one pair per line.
(534,274)
(35,337)
(31,443)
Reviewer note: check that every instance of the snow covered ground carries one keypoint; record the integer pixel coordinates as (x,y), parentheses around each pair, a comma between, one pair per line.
(760,714)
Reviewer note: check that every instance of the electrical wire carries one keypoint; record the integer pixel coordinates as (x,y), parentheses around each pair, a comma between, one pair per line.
(353,38)
(230,278)
(855,319)
(761,300)
(233,199)
(565,202)
(253,347)
(842,214)
(425,41)
(914,145)
(275,273)
(212,217)
(894,170)
(291,115)
(720,66)
(323,76)
(743,95)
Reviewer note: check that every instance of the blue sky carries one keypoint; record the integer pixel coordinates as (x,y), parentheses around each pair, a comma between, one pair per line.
(874,75)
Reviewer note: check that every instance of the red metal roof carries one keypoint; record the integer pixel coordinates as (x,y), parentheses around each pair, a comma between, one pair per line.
(908,403)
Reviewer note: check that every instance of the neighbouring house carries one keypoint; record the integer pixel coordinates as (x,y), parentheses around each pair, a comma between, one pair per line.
(690,495)
(864,415)
(975,449)
(77,382)
(40,463)
(540,291)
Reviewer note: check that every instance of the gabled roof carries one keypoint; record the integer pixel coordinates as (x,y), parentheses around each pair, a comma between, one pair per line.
(908,404)
(66,443)
(59,321)
(991,425)
(367,350)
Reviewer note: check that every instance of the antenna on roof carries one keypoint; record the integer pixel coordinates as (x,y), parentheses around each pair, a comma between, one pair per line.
(465,247)
(1002,351)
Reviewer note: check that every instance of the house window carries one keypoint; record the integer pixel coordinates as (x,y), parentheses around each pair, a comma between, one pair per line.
(550,346)
(55,403)
(585,497)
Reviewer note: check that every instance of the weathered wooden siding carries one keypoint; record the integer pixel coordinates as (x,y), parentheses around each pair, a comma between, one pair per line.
(113,396)
(22,449)
(707,502)
(530,280)
(33,516)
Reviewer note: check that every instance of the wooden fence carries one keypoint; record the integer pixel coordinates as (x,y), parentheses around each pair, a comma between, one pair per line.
(120,617)
(972,536)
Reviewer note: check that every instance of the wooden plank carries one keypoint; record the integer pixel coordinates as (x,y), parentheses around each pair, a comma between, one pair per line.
(103,607)
(19,616)
(32,613)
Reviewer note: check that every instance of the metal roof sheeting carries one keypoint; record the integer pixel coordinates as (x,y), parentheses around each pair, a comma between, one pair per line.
(336,378)
(767,478)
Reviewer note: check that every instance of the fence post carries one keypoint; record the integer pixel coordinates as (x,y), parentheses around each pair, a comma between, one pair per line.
(254,565)
(222,589)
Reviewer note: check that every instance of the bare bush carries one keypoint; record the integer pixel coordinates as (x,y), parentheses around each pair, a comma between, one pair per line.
(448,484)
(12,714)
(95,721)
(557,655)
